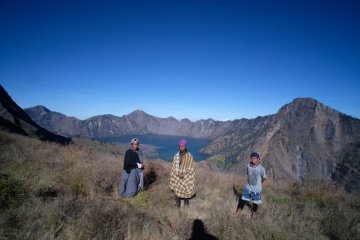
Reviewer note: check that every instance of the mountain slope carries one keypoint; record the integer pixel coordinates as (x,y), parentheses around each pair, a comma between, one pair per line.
(55,122)
(305,140)
(54,192)
(14,119)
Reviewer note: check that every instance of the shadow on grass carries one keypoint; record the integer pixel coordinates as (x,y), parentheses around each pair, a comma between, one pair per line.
(199,231)
(150,179)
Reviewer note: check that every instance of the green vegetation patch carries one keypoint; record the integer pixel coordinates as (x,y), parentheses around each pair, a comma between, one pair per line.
(141,199)
(11,191)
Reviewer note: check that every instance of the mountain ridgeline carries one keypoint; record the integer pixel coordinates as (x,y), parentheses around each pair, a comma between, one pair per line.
(14,119)
(304,140)
(136,123)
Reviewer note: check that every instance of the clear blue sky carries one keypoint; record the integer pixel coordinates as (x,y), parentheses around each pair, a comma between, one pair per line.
(186,59)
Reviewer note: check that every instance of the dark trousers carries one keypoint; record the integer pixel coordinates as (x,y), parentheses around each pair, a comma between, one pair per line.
(242,203)
(178,201)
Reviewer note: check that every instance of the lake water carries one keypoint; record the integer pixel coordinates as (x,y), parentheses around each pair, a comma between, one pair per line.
(163,147)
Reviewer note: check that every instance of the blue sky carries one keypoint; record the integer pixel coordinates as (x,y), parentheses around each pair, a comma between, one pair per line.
(186,59)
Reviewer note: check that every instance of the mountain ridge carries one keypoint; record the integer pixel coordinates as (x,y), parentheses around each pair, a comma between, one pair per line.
(133,123)
(34,113)
(14,119)
(304,140)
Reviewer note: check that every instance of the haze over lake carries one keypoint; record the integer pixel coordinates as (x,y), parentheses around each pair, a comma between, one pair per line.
(165,146)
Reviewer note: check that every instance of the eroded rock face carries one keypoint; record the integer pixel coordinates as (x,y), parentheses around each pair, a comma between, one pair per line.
(305,140)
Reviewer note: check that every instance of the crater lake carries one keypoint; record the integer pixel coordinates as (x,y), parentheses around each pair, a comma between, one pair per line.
(162,146)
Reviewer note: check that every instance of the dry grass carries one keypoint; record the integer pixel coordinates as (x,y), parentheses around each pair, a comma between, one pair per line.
(49,191)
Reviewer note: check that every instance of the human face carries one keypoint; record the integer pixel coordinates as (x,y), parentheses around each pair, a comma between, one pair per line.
(255,161)
(134,146)
(182,148)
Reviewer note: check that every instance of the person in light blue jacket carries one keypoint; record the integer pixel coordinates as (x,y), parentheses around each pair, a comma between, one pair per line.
(256,175)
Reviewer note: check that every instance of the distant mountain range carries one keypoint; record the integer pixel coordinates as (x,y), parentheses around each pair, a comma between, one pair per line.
(136,123)
(14,119)
(304,140)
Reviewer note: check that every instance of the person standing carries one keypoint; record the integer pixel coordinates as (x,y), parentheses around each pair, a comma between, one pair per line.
(182,175)
(256,175)
(132,174)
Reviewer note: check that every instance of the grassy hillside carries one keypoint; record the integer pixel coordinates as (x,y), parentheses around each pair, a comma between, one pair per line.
(49,191)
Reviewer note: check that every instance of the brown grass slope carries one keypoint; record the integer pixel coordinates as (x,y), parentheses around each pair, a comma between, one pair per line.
(48,191)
